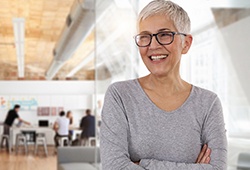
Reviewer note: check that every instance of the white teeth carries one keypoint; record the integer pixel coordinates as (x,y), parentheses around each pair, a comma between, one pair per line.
(158,57)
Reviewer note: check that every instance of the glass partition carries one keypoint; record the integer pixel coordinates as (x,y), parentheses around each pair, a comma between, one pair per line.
(116,56)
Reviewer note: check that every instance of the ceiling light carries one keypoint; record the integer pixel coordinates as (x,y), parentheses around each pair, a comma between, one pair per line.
(19,43)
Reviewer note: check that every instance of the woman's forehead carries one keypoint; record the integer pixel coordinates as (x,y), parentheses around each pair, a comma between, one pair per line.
(155,23)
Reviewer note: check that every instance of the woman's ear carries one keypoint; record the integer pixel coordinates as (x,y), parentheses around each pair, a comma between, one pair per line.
(188,39)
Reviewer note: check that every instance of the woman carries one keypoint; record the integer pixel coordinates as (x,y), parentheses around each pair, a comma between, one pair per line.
(160,121)
(70,117)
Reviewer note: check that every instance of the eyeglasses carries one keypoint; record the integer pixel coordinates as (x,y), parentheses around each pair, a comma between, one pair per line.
(163,38)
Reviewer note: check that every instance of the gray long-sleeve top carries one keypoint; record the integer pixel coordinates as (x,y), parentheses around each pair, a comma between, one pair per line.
(134,128)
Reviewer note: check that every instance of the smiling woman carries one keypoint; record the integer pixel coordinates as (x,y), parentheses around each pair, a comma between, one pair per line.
(161,121)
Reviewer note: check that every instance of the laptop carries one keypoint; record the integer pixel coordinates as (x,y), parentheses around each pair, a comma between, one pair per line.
(43,123)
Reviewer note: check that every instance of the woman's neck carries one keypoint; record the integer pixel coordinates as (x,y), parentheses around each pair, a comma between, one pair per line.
(170,85)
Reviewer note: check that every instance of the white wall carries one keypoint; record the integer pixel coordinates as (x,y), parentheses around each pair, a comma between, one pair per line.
(46,87)
(236,37)
(76,96)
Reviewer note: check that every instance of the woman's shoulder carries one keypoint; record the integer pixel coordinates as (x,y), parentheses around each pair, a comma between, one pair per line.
(124,88)
(203,98)
(125,82)
(203,93)
(123,85)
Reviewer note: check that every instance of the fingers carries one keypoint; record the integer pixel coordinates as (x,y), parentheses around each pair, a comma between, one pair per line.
(207,161)
(206,156)
(202,153)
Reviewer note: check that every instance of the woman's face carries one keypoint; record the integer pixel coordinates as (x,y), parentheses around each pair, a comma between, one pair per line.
(168,56)
(69,114)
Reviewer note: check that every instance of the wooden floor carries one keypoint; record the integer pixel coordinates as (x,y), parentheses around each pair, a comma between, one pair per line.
(21,161)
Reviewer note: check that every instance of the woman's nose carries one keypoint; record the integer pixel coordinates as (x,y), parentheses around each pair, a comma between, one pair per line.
(154,43)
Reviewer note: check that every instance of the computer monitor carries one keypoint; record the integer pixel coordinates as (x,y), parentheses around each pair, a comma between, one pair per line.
(43,123)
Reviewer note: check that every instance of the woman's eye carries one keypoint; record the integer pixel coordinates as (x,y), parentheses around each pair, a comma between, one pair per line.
(164,34)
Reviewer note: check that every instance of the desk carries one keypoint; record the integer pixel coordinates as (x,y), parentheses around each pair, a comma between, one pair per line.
(76,131)
(49,133)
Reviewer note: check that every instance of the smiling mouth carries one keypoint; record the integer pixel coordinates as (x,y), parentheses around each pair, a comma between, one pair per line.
(158,57)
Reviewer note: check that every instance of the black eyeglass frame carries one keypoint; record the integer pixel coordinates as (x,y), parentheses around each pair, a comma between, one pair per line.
(155,35)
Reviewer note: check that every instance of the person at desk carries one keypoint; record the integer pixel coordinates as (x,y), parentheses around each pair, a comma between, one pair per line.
(88,126)
(9,120)
(61,126)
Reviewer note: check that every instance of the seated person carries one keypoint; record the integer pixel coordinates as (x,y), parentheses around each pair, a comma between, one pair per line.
(88,126)
(61,126)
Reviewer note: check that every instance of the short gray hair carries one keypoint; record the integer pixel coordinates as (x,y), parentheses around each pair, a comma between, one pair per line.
(175,13)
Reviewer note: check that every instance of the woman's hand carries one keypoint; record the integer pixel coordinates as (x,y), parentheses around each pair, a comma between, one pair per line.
(204,156)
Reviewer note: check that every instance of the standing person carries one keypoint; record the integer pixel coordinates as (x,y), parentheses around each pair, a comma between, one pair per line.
(88,126)
(70,117)
(61,126)
(9,120)
(160,121)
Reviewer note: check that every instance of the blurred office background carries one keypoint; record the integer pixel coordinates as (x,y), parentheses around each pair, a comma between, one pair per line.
(89,44)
